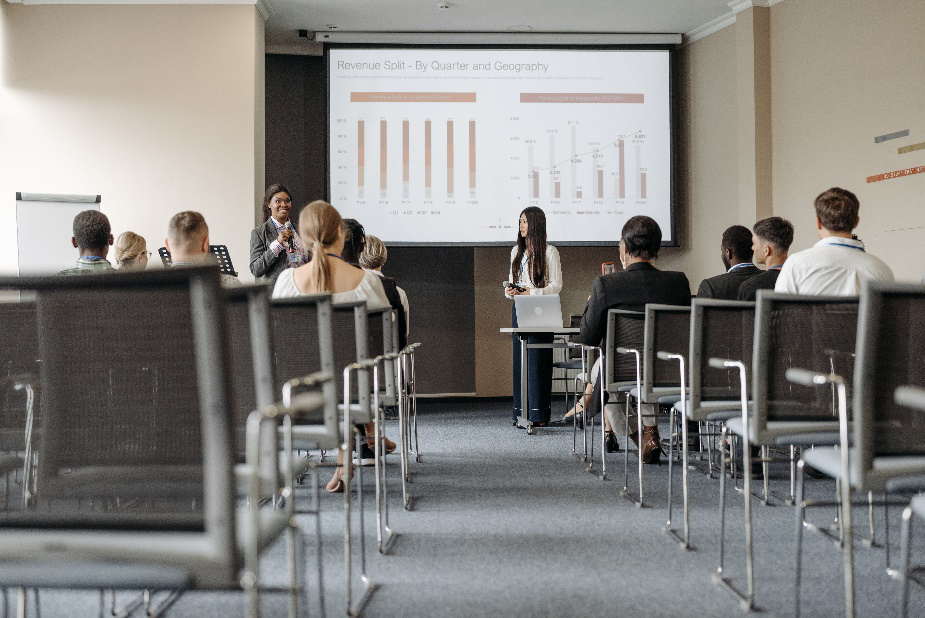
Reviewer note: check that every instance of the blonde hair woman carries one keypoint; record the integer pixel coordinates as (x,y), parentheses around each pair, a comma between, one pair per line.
(131,252)
(321,230)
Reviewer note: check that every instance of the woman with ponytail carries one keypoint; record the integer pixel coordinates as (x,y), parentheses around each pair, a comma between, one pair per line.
(322,231)
(534,269)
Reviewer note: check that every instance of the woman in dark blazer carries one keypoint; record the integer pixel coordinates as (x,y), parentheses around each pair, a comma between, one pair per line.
(274,245)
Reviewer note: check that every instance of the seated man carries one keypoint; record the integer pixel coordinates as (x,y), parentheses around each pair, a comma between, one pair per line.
(188,242)
(632,288)
(92,237)
(838,263)
(771,238)
(736,249)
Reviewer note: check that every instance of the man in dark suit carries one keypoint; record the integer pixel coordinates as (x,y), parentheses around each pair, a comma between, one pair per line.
(632,288)
(771,239)
(736,251)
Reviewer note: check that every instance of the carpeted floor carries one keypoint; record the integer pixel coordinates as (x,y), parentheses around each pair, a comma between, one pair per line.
(506,524)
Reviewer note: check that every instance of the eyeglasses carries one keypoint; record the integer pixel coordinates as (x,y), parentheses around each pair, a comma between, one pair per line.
(148,253)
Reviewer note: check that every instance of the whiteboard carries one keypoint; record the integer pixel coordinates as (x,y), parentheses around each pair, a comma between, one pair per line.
(44,228)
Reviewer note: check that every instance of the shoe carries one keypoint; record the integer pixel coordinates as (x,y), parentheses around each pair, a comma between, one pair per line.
(635,438)
(365,457)
(388,444)
(651,445)
(610,442)
(336,484)
(577,419)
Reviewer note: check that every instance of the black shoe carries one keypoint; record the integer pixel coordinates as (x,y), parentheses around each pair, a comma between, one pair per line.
(610,443)
(577,419)
(365,457)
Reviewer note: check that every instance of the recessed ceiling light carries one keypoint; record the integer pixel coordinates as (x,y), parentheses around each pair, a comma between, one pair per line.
(331,27)
(443,6)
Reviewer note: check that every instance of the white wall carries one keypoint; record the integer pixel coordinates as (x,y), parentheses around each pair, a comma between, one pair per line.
(157,108)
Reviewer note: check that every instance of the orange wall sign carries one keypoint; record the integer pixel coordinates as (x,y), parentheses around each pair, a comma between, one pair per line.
(897,174)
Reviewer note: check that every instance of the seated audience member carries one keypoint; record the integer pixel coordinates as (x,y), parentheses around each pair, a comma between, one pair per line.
(321,229)
(131,252)
(632,288)
(92,237)
(736,251)
(188,242)
(771,238)
(838,263)
(354,246)
(373,258)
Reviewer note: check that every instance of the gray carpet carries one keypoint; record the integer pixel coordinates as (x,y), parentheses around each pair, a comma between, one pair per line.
(506,524)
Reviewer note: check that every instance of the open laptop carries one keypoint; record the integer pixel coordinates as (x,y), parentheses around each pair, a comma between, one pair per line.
(538,311)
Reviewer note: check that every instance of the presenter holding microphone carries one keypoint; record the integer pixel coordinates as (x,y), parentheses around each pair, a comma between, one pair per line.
(274,244)
(534,269)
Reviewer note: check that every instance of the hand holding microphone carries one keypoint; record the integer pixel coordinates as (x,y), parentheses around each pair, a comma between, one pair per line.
(285,235)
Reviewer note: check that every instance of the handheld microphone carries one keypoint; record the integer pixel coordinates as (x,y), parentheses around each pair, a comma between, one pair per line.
(291,247)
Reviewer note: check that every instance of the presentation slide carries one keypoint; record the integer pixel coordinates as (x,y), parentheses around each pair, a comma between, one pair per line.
(448,146)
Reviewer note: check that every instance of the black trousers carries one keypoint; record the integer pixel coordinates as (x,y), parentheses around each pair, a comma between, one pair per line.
(539,376)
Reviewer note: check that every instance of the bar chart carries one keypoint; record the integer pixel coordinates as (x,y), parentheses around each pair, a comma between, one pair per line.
(419,154)
(584,168)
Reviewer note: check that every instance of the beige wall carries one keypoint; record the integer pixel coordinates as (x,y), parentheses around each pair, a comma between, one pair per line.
(156,108)
(844,72)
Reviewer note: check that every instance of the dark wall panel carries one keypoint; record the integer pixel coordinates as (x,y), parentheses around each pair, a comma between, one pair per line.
(438,282)
(296,154)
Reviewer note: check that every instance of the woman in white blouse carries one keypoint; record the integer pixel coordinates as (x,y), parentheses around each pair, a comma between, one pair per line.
(321,229)
(535,269)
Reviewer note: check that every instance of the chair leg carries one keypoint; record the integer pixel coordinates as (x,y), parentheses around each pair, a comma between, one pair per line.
(905,555)
(800,519)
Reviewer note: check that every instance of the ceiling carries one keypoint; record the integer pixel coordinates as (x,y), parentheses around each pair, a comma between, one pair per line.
(287,17)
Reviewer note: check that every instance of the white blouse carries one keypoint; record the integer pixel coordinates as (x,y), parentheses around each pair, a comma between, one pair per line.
(370,290)
(553,273)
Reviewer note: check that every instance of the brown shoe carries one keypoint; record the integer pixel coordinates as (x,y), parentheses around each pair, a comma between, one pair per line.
(651,445)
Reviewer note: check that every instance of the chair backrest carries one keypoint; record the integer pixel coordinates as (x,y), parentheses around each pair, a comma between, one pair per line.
(891,341)
(667,329)
(135,450)
(573,353)
(351,344)
(250,352)
(383,339)
(19,363)
(302,330)
(719,329)
(810,332)
(625,329)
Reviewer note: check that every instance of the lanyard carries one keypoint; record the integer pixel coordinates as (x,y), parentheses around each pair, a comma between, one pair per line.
(742,265)
(841,244)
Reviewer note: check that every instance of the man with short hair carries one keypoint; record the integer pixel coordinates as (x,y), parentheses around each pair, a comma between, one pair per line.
(771,239)
(92,237)
(188,242)
(736,253)
(838,263)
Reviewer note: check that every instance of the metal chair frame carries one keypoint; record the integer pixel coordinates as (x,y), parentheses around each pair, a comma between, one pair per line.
(209,557)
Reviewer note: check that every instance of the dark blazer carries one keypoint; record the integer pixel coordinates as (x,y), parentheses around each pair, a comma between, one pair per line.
(726,285)
(264,265)
(391,292)
(764,281)
(631,289)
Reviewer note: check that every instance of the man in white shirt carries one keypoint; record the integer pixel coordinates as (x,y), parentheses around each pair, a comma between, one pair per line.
(838,263)
(188,242)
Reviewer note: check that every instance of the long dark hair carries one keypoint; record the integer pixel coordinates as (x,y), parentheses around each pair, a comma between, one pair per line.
(536,242)
(271,191)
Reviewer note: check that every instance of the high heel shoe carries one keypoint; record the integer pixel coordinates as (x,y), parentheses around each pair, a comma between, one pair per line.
(336,484)
(388,444)
(610,442)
